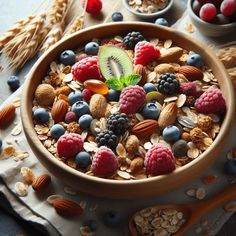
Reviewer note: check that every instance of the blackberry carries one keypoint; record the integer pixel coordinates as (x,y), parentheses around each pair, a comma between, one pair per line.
(118,123)
(131,39)
(168,84)
(107,138)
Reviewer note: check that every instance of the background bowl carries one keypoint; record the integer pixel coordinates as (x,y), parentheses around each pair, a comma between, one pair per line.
(148,15)
(124,188)
(209,29)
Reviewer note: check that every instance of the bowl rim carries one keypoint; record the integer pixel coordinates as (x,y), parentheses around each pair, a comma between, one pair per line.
(34,140)
(148,15)
(199,20)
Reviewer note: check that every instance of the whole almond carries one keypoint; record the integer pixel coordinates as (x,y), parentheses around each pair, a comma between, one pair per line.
(136,164)
(171,55)
(145,128)
(164,68)
(168,115)
(132,144)
(41,182)
(59,110)
(191,73)
(65,207)
(7,114)
(140,70)
(98,106)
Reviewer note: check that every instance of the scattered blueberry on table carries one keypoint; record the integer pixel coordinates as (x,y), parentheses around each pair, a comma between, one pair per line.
(13,82)
(112,218)
(117,16)
(161,21)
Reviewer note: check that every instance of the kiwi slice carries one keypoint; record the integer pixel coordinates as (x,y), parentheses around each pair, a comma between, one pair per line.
(114,62)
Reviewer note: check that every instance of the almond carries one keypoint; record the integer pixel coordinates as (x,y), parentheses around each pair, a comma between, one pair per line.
(132,144)
(66,207)
(145,128)
(171,55)
(98,106)
(59,110)
(164,68)
(41,182)
(7,114)
(136,164)
(191,73)
(140,70)
(168,115)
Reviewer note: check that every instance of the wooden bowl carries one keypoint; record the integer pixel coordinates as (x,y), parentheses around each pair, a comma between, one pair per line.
(126,188)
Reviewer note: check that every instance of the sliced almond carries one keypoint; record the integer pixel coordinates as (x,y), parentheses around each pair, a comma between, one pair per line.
(16,130)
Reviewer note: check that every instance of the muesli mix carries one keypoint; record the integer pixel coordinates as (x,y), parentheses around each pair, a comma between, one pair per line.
(128,107)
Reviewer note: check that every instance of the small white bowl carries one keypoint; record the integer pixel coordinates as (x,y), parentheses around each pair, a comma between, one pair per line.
(209,29)
(148,15)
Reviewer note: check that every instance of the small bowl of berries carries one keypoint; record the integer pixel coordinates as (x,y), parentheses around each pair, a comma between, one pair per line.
(215,18)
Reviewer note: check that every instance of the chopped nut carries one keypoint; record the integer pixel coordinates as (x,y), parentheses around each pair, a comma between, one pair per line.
(204,122)
(196,135)
(73,127)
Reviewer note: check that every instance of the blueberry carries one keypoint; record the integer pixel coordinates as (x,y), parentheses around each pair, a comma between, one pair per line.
(83,159)
(230,166)
(92,224)
(57,131)
(171,133)
(149,87)
(161,21)
(150,111)
(112,218)
(13,82)
(67,58)
(195,60)
(113,95)
(91,48)
(180,148)
(74,97)
(80,108)
(85,121)
(117,16)
(41,115)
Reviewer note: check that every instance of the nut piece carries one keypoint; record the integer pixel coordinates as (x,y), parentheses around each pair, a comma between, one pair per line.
(65,90)
(59,110)
(168,115)
(98,105)
(27,174)
(7,114)
(164,68)
(205,123)
(132,144)
(41,182)
(140,70)
(145,128)
(136,164)
(196,135)
(66,207)
(191,73)
(171,55)
(45,95)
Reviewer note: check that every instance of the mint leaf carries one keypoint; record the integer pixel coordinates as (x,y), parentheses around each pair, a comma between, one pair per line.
(132,79)
(114,83)
(123,80)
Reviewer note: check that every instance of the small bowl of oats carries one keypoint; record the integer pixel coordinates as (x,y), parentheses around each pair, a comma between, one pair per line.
(148,8)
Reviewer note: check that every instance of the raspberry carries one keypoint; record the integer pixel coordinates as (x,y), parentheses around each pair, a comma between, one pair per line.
(81,56)
(208,12)
(86,68)
(211,101)
(145,53)
(228,7)
(93,6)
(190,89)
(131,99)
(87,94)
(69,145)
(104,163)
(159,160)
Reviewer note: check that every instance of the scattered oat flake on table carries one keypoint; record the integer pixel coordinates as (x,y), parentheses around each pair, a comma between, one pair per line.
(16,102)
(27,174)
(189,27)
(200,193)
(230,207)
(85,231)
(191,192)
(8,152)
(21,155)
(83,204)
(16,130)
(21,189)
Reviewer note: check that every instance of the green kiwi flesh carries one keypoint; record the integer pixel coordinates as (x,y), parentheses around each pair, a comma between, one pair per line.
(114,62)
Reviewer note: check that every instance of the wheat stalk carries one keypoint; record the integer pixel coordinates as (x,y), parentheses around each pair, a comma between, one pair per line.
(14,30)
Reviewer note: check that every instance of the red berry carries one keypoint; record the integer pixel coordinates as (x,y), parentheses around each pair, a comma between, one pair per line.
(159,160)
(104,163)
(228,7)
(132,99)
(93,6)
(190,89)
(81,56)
(87,94)
(70,117)
(145,53)
(208,12)
(68,145)
(86,68)
(211,101)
